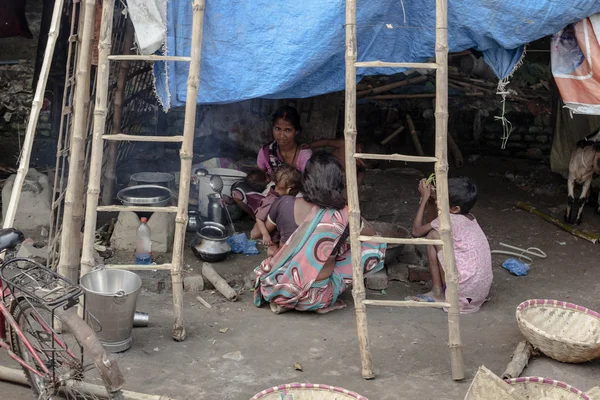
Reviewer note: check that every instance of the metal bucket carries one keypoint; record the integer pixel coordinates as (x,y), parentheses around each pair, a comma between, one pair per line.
(110,298)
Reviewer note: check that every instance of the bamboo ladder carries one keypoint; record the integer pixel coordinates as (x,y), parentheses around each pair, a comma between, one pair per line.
(441,172)
(187,139)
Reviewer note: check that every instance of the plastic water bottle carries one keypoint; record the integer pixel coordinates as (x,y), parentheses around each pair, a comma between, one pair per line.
(143,248)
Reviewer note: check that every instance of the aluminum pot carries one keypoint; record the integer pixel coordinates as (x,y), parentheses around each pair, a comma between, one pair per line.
(193,221)
(153,178)
(211,242)
(145,195)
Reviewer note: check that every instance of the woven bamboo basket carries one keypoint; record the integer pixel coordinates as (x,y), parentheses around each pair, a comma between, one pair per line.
(535,388)
(307,391)
(563,331)
(488,386)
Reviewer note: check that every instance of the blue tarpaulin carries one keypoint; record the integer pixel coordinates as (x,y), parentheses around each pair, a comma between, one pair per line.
(295,49)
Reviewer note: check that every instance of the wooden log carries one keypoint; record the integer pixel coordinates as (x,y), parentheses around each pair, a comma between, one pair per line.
(104,47)
(109,178)
(456,153)
(17,376)
(391,86)
(414,136)
(219,283)
(392,135)
(519,360)
(358,286)
(70,243)
(36,106)
(186,154)
(590,237)
(417,96)
(441,175)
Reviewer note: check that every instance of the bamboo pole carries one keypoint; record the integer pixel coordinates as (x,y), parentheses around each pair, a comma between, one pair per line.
(414,136)
(441,175)
(590,237)
(36,107)
(108,181)
(70,244)
(17,376)
(218,282)
(358,283)
(186,155)
(391,86)
(104,48)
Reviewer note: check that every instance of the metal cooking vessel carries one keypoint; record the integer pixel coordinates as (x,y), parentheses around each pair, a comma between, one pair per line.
(211,242)
(153,178)
(145,195)
(193,221)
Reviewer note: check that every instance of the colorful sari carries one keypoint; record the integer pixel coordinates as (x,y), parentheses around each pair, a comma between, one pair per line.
(289,278)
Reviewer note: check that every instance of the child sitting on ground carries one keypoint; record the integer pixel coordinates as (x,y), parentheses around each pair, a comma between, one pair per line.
(471,247)
(249,192)
(287,180)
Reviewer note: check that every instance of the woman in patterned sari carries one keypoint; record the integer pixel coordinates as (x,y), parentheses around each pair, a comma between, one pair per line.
(313,267)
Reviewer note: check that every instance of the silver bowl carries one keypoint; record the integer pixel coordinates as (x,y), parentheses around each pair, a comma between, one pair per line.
(145,195)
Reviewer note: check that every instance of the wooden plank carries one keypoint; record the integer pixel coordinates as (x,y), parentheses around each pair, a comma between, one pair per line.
(140,138)
(383,64)
(389,240)
(137,57)
(405,303)
(136,208)
(135,267)
(394,157)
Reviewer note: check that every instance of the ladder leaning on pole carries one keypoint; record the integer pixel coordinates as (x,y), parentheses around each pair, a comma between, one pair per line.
(441,172)
(187,140)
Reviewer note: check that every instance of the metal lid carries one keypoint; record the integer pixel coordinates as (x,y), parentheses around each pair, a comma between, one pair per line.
(144,194)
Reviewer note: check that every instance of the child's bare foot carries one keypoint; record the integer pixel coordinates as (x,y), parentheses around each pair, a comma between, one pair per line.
(338,305)
(429,297)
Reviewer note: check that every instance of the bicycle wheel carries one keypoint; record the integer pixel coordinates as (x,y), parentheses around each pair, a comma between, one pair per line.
(78,365)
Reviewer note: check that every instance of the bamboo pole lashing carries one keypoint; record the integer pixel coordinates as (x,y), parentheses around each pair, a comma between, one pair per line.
(73,209)
(99,126)
(137,138)
(441,174)
(358,287)
(110,168)
(186,155)
(36,106)
(394,157)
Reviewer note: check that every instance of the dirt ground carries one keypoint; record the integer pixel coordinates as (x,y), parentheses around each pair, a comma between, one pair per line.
(235,350)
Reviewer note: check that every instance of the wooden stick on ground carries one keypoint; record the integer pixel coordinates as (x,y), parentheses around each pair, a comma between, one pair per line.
(70,243)
(441,175)
(392,135)
(204,302)
(112,147)
(590,237)
(414,136)
(391,86)
(17,376)
(519,361)
(219,283)
(456,153)
(36,107)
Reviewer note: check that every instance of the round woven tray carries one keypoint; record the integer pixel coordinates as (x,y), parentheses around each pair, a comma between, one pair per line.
(535,388)
(307,391)
(563,331)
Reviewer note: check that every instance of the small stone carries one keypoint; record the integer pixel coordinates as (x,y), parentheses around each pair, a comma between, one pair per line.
(193,283)
(397,272)
(377,281)
(542,139)
(234,355)
(536,129)
(30,251)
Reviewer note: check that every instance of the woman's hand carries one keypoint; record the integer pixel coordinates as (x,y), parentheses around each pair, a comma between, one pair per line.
(424,190)
(267,240)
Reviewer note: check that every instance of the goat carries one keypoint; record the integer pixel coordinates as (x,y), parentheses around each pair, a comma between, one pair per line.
(585,162)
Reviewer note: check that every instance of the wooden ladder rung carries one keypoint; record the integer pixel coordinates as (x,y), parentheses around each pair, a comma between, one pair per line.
(383,64)
(144,267)
(171,209)
(394,157)
(390,240)
(137,57)
(141,138)
(405,303)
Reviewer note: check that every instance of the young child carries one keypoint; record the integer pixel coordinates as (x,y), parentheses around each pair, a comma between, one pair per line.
(471,247)
(287,180)
(249,193)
